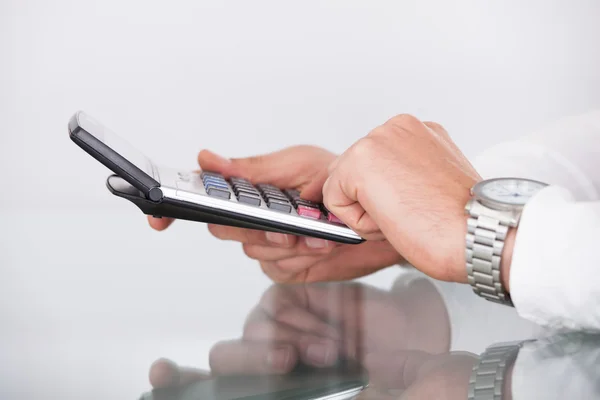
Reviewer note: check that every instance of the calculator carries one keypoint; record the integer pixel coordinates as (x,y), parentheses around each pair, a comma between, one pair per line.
(203,196)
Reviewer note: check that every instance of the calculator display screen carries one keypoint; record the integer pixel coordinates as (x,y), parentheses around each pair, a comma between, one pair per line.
(115,142)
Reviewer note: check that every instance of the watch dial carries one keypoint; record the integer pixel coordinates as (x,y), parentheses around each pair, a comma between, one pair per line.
(511,191)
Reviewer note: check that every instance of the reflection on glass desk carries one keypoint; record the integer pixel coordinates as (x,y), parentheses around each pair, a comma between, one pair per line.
(327,341)
(75,326)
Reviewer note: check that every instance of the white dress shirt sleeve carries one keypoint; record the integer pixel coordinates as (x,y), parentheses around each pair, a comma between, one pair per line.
(554,277)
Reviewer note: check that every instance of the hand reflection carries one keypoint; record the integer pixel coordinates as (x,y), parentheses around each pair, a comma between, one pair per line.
(418,375)
(321,325)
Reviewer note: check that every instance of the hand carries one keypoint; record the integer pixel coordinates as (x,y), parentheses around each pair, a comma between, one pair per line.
(288,258)
(408,182)
(318,325)
(419,375)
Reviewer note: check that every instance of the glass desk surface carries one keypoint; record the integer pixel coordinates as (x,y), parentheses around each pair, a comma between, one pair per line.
(90,301)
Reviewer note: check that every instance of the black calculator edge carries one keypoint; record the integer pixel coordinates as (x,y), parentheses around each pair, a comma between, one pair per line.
(195,212)
(113,160)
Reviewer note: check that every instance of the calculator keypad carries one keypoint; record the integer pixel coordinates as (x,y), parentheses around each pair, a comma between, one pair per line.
(304,208)
(215,185)
(271,196)
(245,192)
(275,198)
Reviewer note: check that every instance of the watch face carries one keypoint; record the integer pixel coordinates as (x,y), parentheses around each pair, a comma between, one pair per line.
(511,192)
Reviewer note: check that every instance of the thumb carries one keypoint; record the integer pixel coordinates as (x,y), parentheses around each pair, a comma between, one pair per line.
(286,168)
(257,169)
(210,161)
(314,189)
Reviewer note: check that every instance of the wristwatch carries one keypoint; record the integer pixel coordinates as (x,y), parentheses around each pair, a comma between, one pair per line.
(495,207)
(488,375)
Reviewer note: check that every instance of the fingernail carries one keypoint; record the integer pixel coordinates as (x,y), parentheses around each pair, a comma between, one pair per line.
(277,238)
(321,354)
(315,243)
(278,358)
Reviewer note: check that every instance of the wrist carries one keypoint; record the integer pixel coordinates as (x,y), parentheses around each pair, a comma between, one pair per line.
(506,261)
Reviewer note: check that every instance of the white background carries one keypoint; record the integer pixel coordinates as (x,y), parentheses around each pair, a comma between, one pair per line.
(240,78)
(244,77)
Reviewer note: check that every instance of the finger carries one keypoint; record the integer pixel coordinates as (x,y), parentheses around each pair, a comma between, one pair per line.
(314,190)
(210,161)
(271,253)
(437,128)
(374,393)
(312,349)
(352,322)
(343,202)
(252,236)
(165,373)
(333,165)
(291,270)
(287,168)
(251,358)
(400,370)
(448,374)
(159,224)
(276,305)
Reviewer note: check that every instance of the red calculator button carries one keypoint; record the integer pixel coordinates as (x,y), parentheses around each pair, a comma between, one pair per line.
(309,212)
(334,219)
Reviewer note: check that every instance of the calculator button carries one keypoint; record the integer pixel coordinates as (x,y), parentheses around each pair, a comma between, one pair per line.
(207,179)
(274,193)
(334,219)
(216,185)
(266,186)
(279,206)
(218,192)
(306,203)
(249,199)
(269,189)
(309,212)
(208,173)
(293,193)
(245,187)
(240,181)
(213,179)
(240,192)
(276,197)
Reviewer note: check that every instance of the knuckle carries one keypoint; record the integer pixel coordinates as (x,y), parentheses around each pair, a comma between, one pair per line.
(364,148)
(435,127)
(380,131)
(405,121)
